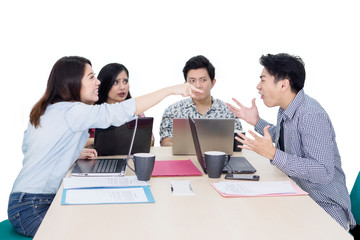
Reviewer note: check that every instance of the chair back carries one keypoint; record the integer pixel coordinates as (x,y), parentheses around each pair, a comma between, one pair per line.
(355,199)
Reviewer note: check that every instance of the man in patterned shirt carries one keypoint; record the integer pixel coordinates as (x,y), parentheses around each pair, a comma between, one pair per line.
(306,148)
(199,72)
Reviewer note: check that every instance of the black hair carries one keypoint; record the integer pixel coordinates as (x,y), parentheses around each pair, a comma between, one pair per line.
(64,84)
(107,77)
(283,66)
(199,62)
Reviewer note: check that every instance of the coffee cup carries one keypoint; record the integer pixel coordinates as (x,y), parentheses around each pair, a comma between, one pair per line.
(214,162)
(144,165)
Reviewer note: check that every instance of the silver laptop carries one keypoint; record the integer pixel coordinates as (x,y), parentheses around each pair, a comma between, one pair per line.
(106,166)
(100,167)
(214,135)
(232,165)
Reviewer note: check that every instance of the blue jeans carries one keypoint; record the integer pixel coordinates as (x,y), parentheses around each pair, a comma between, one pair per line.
(27,210)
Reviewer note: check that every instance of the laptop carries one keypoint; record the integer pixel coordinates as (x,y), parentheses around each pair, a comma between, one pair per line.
(214,135)
(107,167)
(116,140)
(232,165)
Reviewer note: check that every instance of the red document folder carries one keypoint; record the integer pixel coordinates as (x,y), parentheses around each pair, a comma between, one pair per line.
(175,168)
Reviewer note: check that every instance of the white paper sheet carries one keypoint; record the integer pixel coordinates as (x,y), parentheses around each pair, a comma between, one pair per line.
(254,188)
(93,182)
(181,188)
(105,195)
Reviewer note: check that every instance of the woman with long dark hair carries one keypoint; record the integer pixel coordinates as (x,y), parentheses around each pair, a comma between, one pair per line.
(57,133)
(114,87)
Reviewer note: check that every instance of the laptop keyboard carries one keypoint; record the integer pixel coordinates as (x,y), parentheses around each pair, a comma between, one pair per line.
(105,165)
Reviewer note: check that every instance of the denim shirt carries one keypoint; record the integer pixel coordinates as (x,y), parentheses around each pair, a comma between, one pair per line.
(51,148)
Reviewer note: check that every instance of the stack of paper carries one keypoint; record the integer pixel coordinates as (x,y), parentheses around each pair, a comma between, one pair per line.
(105,190)
(92,182)
(258,189)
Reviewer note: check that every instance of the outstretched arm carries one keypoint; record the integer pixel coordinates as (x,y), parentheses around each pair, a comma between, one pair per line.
(149,100)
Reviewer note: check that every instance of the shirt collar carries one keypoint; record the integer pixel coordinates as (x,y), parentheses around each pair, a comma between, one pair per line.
(213,104)
(293,106)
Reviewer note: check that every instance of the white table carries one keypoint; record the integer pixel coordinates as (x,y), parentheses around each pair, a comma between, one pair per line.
(206,215)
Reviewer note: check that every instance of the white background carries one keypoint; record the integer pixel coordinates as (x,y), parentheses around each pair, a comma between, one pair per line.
(154,39)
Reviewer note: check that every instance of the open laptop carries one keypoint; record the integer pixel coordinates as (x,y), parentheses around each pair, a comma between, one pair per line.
(116,140)
(214,135)
(233,164)
(106,166)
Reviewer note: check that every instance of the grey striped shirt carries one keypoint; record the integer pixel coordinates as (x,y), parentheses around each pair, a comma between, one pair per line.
(311,157)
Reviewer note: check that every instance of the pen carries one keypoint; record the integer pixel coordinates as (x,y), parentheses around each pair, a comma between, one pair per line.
(191,187)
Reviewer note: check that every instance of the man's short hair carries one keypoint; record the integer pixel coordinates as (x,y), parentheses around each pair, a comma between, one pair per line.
(199,62)
(283,66)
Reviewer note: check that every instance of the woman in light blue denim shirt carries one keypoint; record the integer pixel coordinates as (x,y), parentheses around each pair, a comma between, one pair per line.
(57,133)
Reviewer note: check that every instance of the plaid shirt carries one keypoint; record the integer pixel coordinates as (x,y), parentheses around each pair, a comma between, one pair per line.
(186,107)
(311,157)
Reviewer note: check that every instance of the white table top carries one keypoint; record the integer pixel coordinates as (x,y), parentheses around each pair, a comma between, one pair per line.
(206,215)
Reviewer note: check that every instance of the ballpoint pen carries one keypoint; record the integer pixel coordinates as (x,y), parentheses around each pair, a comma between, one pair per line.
(190,187)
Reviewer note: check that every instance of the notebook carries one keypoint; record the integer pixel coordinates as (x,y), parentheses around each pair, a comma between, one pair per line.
(232,165)
(214,135)
(106,166)
(116,140)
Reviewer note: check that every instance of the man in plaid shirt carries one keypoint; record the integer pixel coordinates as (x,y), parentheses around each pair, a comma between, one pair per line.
(305,146)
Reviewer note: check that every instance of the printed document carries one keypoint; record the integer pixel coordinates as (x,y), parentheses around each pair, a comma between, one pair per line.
(93,182)
(233,189)
(105,196)
(105,190)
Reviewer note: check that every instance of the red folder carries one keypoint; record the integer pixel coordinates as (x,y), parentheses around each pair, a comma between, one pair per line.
(175,168)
